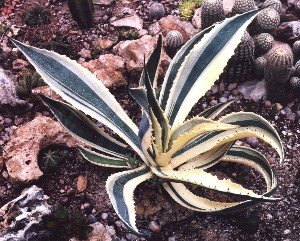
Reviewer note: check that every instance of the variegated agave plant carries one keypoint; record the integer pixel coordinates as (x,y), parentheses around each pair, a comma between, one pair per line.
(169,148)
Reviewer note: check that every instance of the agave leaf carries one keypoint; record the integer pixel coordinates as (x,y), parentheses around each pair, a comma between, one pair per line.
(215,110)
(103,160)
(207,180)
(140,96)
(120,187)
(83,90)
(251,125)
(203,65)
(84,129)
(241,155)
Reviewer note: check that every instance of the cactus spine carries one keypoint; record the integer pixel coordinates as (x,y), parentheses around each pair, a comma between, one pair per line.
(241,63)
(212,12)
(242,6)
(275,4)
(277,72)
(157,11)
(263,43)
(82,12)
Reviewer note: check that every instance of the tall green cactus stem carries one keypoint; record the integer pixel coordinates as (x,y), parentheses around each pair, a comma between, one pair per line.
(242,6)
(274,4)
(263,43)
(267,20)
(212,11)
(82,12)
(277,72)
(241,63)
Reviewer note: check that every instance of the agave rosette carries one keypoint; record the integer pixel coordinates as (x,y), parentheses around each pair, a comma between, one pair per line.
(166,145)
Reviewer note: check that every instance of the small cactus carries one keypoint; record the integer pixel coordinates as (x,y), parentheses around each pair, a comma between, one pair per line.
(263,42)
(297,68)
(241,63)
(36,16)
(267,20)
(82,12)
(275,4)
(157,11)
(174,39)
(296,48)
(295,83)
(259,66)
(242,6)
(277,72)
(187,7)
(212,11)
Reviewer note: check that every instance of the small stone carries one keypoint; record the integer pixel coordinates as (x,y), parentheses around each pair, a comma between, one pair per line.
(133,21)
(91,218)
(154,226)
(104,216)
(268,104)
(278,106)
(19,64)
(287,231)
(81,183)
(106,43)
(223,100)
(253,142)
(85,53)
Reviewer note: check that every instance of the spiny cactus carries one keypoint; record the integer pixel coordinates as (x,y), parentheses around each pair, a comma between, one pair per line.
(295,83)
(174,39)
(242,6)
(296,48)
(157,11)
(82,12)
(212,11)
(259,66)
(267,20)
(263,43)
(297,68)
(240,65)
(277,72)
(36,16)
(275,4)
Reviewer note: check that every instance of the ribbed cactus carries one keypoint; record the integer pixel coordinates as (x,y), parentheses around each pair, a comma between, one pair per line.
(275,4)
(211,12)
(267,20)
(296,48)
(157,11)
(82,12)
(259,66)
(295,83)
(297,68)
(277,72)
(241,63)
(174,39)
(263,43)
(242,6)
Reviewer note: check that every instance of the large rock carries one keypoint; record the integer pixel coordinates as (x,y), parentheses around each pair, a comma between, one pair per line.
(23,216)
(253,90)
(166,24)
(288,31)
(109,69)
(8,94)
(21,152)
(134,51)
(133,21)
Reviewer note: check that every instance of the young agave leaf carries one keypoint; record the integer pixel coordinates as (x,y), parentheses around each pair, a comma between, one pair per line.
(202,65)
(84,129)
(103,160)
(120,187)
(207,180)
(215,110)
(246,156)
(83,90)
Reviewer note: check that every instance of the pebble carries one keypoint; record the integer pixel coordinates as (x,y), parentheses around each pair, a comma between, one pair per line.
(7,121)
(104,216)
(223,100)
(253,142)
(154,226)
(278,106)
(171,239)
(287,231)
(91,218)
(213,102)
(268,104)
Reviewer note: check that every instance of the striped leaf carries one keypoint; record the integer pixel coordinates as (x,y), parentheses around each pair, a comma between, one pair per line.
(215,110)
(84,129)
(83,90)
(207,180)
(203,65)
(120,187)
(104,160)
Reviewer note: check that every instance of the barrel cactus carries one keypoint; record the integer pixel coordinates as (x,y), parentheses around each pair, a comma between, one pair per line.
(259,66)
(242,6)
(82,12)
(174,39)
(157,11)
(263,42)
(241,64)
(267,20)
(274,4)
(295,83)
(211,12)
(296,47)
(277,72)
(297,68)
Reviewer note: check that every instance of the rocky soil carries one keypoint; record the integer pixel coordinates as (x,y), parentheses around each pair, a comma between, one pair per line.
(114,53)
